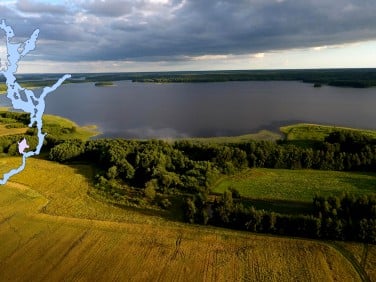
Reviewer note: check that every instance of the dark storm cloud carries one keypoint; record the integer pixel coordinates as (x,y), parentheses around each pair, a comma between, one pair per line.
(169,30)
(109,8)
(30,6)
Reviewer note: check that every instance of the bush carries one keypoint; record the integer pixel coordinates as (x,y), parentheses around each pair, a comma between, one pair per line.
(235,193)
(150,190)
(67,151)
(165,204)
(112,172)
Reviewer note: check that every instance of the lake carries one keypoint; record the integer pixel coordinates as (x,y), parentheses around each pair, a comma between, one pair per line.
(147,110)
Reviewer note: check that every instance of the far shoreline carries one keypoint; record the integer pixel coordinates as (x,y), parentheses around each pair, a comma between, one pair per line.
(104,84)
(349,78)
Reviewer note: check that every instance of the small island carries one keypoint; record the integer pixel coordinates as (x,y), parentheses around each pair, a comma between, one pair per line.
(104,83)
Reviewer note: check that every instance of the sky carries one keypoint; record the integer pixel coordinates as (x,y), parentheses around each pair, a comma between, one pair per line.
(184,35)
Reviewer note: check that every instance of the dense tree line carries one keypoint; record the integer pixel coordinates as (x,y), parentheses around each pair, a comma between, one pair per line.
(358,78)
(339,218)
(67,150)
(191,167)
(347,217)
(8,143)
(6,116)
(131,172)
(340,151)
(335,77)
(139,162)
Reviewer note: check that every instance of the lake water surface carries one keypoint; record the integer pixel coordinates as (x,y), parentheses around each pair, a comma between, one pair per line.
(146,110)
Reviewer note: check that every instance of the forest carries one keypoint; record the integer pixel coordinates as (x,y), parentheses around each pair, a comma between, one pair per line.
(356,78)
(158,171)
(178,177)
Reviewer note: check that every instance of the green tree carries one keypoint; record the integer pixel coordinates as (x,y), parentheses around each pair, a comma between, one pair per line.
(112,172)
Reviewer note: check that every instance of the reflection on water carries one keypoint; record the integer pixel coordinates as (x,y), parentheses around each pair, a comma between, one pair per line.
(147,110)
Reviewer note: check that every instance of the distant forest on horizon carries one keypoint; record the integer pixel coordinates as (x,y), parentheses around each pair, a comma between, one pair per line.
(358,78)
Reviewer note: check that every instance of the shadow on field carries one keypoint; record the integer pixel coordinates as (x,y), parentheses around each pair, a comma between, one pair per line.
(304,143)
(366,184)
(274,205)
(88,170)
(174,213)
(280,206)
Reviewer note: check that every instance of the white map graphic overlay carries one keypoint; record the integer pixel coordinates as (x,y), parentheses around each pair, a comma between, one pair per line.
(33,105)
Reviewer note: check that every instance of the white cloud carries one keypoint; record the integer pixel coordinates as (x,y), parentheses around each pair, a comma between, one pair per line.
(179,6)
(352,55)
(335,46)
(319,48)
(159,1)
(258,55)
(10,2)
(209,57)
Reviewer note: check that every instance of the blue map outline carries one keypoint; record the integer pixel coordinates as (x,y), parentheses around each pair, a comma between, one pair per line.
(33,105)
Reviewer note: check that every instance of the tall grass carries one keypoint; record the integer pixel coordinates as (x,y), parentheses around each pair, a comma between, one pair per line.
(297,185)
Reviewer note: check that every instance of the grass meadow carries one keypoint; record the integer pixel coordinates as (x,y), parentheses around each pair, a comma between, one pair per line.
(54,124)
(296,185)
(315,132)
(59,127)
(11,131)
(265,135)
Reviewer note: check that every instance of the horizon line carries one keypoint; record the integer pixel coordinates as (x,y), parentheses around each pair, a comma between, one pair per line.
(217,70)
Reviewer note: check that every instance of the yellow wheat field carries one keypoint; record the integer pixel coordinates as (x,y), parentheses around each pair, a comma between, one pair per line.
(51,230)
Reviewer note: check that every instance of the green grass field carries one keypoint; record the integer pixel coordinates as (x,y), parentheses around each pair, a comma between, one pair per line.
(28,84)
(296,185)
(11,131)
(315,132)
(53,125)
(51,230)
(56,126)
(265,135)
(300,134)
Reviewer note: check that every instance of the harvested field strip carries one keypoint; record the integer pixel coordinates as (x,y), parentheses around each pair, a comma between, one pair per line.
(80,243)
